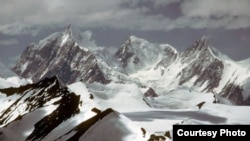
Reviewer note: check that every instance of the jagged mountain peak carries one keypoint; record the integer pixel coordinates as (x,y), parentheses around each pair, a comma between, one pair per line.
(137,54)
(201,49)
(198,45)
(136,39)
(140,43)
(201,46)
(83,39)
(69,55)
(32,97)
(76,33)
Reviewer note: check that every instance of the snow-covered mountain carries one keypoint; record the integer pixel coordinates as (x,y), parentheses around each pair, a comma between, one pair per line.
(80,91)
(67,55)
(200,67)
(72,56)
(49,111)
(138,54)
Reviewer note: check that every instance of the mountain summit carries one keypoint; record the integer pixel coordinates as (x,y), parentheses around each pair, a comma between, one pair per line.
(66,55)
(84,40)
(137,54)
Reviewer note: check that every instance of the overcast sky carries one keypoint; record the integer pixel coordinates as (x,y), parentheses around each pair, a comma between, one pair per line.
(176,22)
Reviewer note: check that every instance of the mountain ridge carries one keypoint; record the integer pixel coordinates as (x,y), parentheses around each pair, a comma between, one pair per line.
(74,56)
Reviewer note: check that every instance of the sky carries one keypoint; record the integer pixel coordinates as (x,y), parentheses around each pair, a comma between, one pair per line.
(177,22)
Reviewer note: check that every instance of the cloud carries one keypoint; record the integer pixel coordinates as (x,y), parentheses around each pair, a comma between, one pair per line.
(29,16)
(160,3)
(6,42)
(21,17)
(216,8)
(16,28)
(228,14)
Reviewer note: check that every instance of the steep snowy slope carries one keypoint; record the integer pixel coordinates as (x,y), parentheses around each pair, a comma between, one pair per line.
(37,108)
(108,125)
(123,128)
(48,111)
(202,68)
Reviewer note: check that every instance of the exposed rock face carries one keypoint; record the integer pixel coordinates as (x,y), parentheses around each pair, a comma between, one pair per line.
(49,111)
(170,55)
(235,94)
(150,93)
(124,53)
(86,125)
(202,64)
(137,54)
(66,55)
(34,96)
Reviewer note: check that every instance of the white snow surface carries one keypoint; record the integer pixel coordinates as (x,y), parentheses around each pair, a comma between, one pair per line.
(114,127)
(180,99)
(21,129)
(176,107)
(120,97)
(79,88)
(7,101)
